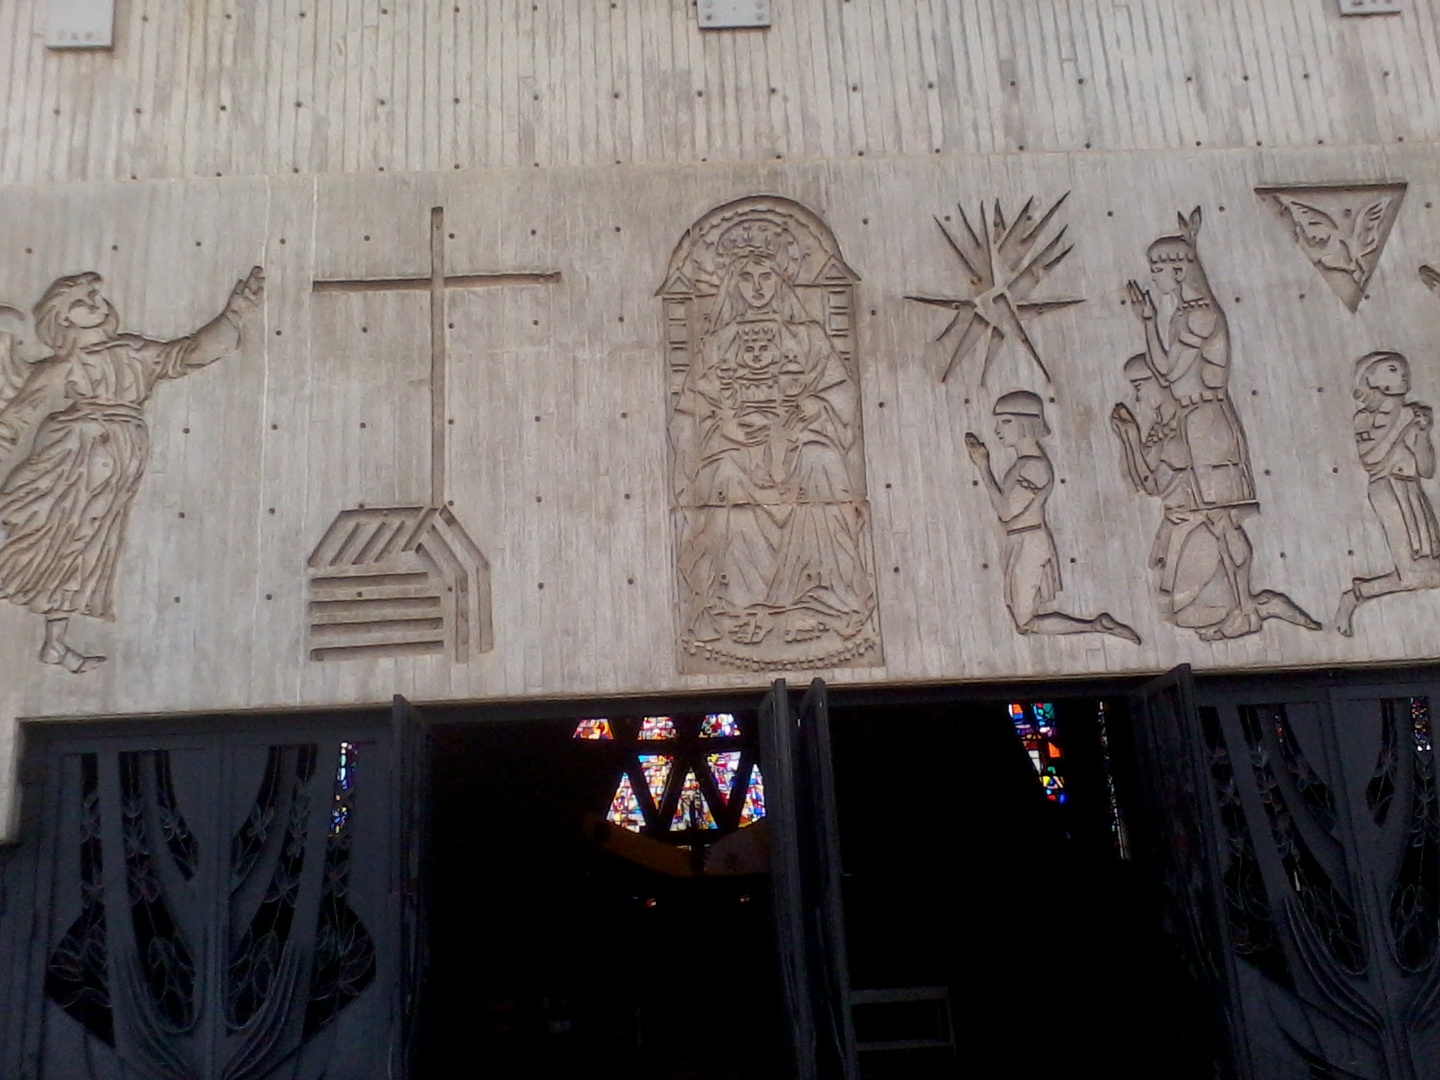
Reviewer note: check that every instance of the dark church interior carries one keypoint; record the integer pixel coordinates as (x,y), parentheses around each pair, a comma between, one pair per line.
(991,932)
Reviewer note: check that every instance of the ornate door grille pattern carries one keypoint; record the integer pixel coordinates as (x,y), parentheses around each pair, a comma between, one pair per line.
(1314,865)
(219,907)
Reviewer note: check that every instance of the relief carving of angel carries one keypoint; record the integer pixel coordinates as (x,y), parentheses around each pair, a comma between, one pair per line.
(74,444)
(1344,244)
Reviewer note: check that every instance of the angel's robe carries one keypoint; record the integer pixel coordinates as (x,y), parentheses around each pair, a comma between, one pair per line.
(64,505)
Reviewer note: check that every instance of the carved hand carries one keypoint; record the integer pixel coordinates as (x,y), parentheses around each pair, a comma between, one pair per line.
(1141,300)
(247,292)
(1122,419)
(1424,417)
(976,449)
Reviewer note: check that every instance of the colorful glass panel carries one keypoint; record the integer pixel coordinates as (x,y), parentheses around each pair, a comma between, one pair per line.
(625,807)
(598,728)
(1035,726)
(753,808)
(692,811)
(719,726)
(344,781)
(657,727)
(723,767)
(656,769)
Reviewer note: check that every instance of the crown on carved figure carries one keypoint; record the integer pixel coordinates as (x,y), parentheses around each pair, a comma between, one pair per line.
(763,238)
(751,332)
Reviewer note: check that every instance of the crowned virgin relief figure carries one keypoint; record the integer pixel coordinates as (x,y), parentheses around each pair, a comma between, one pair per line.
(74,445)
(772,526)
(1190,451)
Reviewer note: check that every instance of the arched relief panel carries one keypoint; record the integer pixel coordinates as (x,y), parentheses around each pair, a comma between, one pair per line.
(774,560)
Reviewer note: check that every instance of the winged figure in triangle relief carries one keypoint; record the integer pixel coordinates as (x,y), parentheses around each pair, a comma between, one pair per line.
(1344,244)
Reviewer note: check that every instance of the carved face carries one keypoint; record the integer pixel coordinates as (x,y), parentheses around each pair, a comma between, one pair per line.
(757,281)
(88,309)
(1167,275)
(1390,377)
(1007,429)
(1148,394)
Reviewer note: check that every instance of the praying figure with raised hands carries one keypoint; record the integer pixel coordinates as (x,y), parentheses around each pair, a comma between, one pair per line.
(1397,451)
(74,444)
(1032,565)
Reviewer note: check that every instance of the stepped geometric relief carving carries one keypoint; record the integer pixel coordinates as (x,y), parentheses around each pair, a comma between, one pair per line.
(432,578)
(1341,229)
(772,525)
(1185,446)
(1032,565)
(398,581)
(1395,446)
(1001,267)
(74,444)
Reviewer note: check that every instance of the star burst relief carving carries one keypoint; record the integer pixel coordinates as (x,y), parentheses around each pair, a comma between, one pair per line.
(1003,264)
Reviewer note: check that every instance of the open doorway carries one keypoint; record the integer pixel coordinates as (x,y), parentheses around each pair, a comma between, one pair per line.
(981,877)
(985,857)
(598,904)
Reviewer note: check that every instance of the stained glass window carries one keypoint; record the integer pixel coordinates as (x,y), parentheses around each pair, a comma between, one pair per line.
(625,807)
(657,727)
(656,769)
(692,811)
(723,767)
(344,781)
(1420,723)
(754,807)
(719,726)
(597,729)
(1117,821)
(1035,725)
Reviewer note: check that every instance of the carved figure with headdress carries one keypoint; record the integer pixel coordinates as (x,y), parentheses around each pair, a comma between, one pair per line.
(768,476)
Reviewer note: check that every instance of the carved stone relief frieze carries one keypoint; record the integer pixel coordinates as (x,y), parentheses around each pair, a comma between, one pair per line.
(1019,497)
(1184,444)
(1340,228)
(771,520)
(407,580)
(1396,449)
(74,444)
(1001,265)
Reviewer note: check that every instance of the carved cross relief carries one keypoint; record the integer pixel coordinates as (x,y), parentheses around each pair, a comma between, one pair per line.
(408,580)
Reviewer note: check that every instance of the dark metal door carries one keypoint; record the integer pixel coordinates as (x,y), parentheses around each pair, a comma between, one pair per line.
(777,735)
(824,906)
(212,904)
(1318,808)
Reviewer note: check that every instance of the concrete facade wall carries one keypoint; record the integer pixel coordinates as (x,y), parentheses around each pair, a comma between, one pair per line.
(867,154)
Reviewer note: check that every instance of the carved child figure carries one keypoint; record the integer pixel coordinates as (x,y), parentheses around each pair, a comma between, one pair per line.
(74,446)
(1394,444)
(1032,566)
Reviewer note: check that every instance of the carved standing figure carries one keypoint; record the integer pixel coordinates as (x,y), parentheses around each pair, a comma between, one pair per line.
(1032,566)
(74,446)
(1194,455)
(1394,444)
(774,550)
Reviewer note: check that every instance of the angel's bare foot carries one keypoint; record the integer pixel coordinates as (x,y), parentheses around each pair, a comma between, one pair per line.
(1344,617)
(1276,605)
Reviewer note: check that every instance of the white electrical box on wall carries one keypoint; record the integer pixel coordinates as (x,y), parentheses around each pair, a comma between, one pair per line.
(1370,7)
(80,24)
(732,14)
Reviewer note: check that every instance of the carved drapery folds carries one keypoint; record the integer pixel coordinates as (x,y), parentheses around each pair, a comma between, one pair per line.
(772,527)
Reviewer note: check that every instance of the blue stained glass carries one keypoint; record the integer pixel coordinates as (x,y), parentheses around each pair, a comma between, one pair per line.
(1035,726)
(719,726)
(753,808)
(344,782)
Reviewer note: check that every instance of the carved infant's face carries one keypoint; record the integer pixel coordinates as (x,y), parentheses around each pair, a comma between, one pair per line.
(1390,377)
(87,309)
(758,281)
